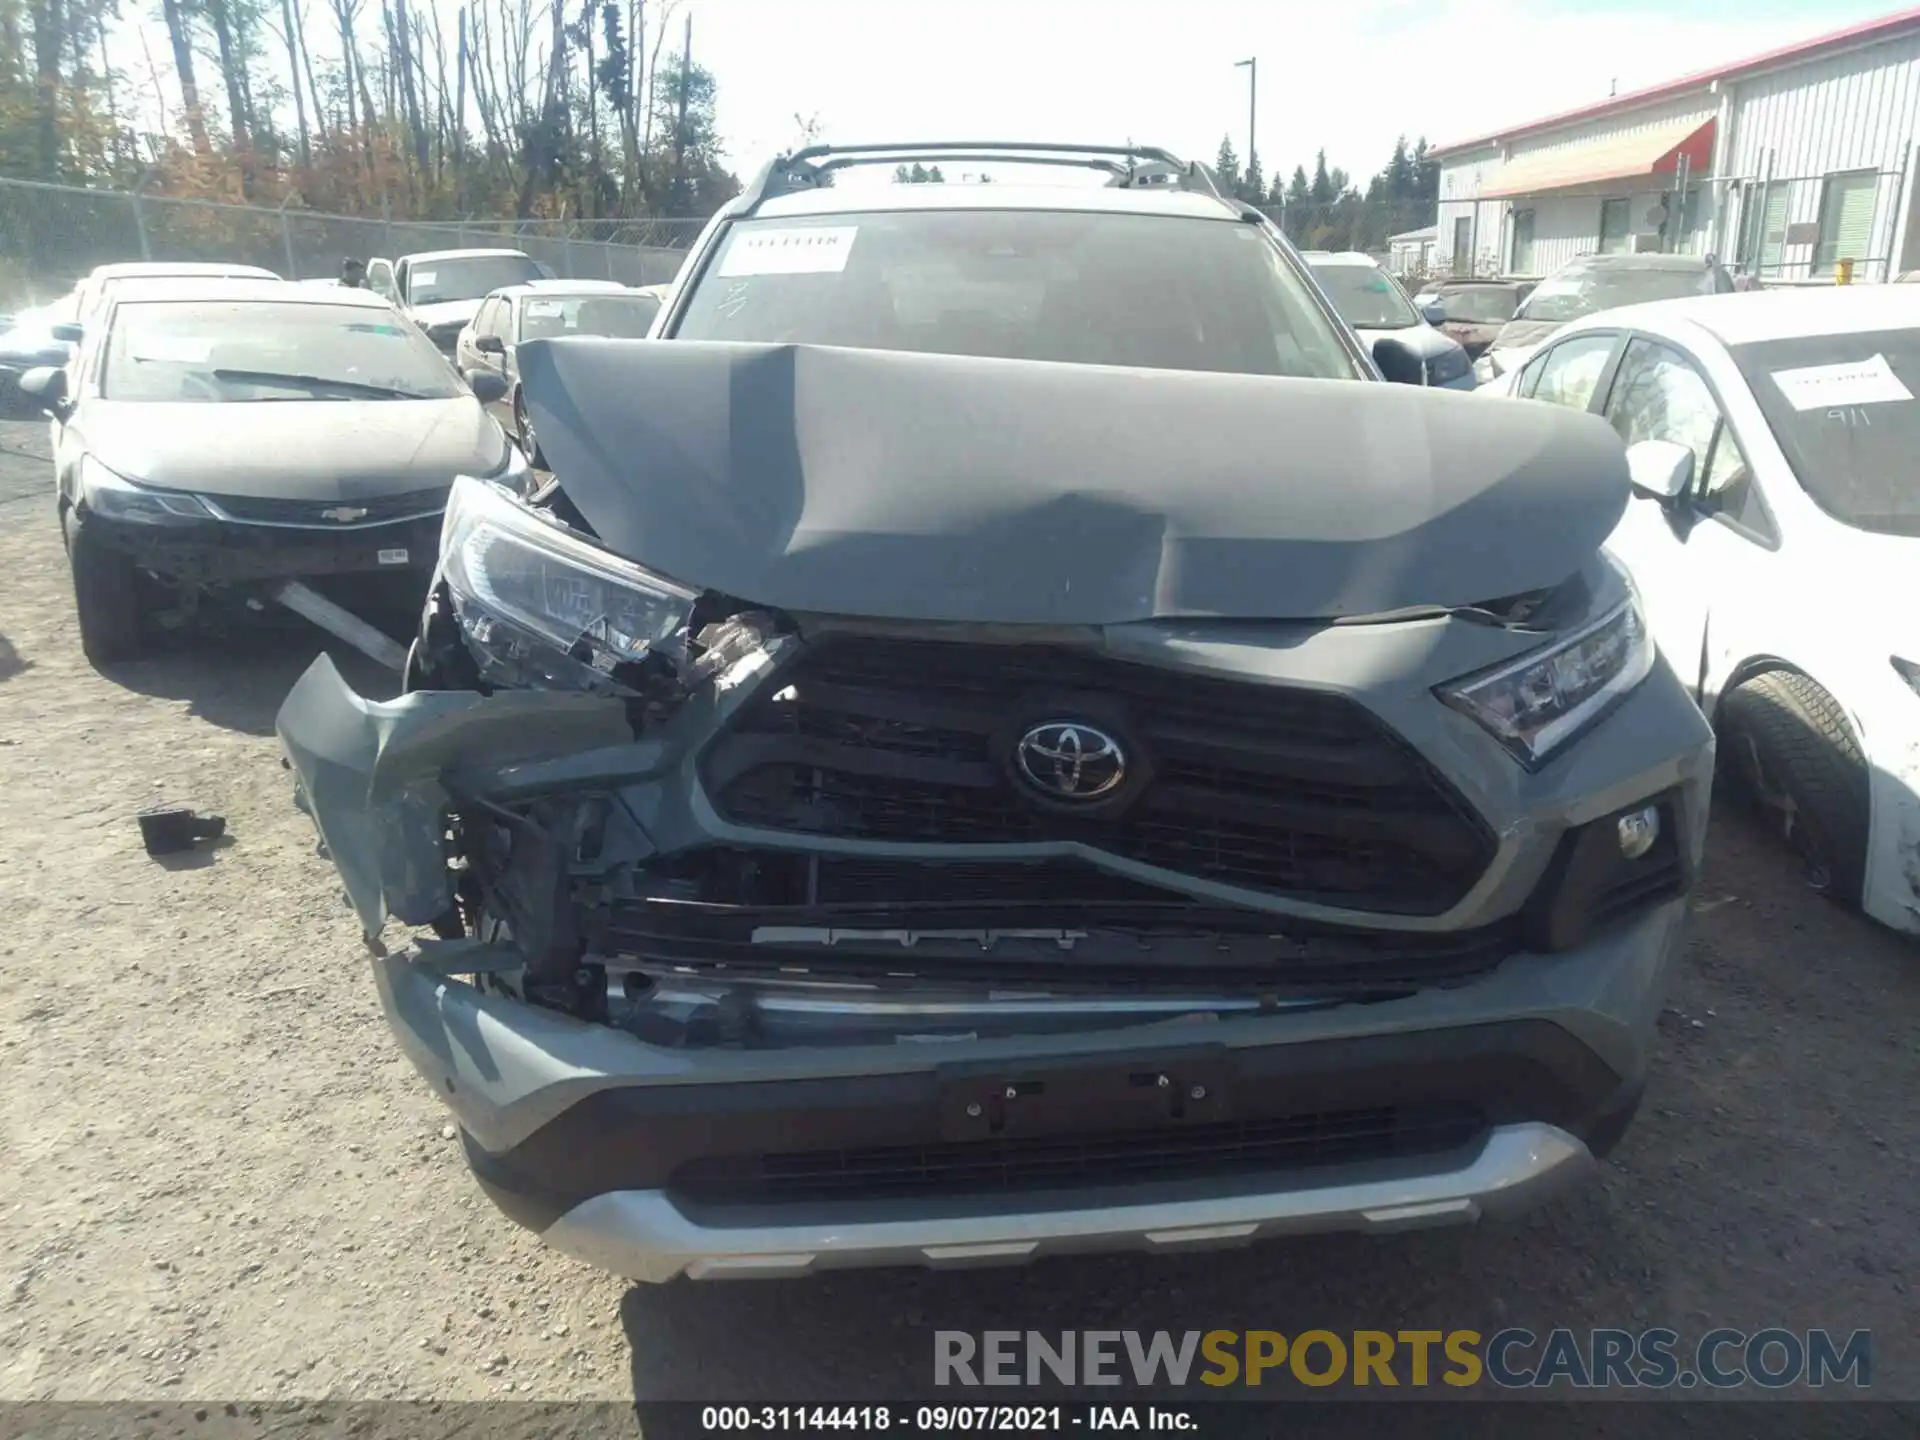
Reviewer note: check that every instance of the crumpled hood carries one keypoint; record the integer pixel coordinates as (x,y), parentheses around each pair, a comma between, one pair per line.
(296,450)
(443,312)
(951,488)
(1524,334)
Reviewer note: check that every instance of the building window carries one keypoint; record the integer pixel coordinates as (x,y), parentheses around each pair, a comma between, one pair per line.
(1763,224)
(1846,219)
(1463,245)
(1522,263)
(1616,225)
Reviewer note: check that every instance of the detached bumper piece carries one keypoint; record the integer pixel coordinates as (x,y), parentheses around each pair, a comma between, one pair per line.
(644,1235)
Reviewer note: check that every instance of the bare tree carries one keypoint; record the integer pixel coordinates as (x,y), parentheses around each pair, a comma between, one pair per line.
(49,23)
(232,71)
(181,39)
(289,36)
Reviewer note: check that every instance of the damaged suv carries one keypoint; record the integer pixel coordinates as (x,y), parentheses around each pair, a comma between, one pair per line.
(1004,737)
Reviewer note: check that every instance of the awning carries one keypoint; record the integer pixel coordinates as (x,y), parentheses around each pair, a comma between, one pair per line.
(1640,155)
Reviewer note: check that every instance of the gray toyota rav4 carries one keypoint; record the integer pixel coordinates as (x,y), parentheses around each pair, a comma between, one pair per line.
(1003,736)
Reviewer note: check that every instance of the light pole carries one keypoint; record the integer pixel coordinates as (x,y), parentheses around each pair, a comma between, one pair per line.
(1253,95)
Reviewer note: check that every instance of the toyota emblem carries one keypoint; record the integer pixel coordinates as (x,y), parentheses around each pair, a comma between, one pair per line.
(1065,760)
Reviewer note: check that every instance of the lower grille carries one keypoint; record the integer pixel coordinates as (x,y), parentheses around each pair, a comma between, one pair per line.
(1294,1142)
(1261,786)
(374,510)
(710,905)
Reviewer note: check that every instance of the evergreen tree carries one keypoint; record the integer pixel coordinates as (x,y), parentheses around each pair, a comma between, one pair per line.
(1321,190)
(1399,177)
(1298,192)
(1255,184)
(1226,167)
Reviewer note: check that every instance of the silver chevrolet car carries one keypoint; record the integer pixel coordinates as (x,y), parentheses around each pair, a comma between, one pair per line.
(1002,737)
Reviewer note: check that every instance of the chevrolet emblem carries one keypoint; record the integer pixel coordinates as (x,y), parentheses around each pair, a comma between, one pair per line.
(345,514)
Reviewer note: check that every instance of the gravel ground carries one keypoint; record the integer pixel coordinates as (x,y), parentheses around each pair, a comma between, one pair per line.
(219,1179)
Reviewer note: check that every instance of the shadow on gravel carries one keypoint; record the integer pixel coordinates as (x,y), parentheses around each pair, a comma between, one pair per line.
(10,662)
(237,680)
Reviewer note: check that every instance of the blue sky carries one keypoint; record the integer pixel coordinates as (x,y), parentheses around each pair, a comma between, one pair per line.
(1346,74)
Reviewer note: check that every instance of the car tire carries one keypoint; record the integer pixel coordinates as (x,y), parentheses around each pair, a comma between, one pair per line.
(523,432)
(1791,751)
(106,595)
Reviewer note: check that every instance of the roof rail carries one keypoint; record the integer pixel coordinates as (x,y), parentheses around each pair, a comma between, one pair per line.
(1135,165)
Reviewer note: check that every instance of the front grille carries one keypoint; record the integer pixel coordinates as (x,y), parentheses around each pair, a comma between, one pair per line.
(379,509)
(1171,1153)
(1268,787)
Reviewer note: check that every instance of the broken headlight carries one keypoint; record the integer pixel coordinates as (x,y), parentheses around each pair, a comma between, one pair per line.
(1537,703)
(114,497)
(540,604)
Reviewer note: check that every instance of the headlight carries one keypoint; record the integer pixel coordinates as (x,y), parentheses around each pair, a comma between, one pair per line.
(1536,704)
(539,604)
(114,497)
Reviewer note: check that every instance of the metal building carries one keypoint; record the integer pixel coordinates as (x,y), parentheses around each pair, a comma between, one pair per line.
(1784,165)
(1411,251)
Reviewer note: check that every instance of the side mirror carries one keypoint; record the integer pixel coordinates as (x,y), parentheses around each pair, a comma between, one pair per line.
(47,384)
(1434,314)
(69,334)
(1660,470)
(1398,362)
(489,387)
(489,344)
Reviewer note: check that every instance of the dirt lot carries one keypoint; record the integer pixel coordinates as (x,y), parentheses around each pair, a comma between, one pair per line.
(218,1178)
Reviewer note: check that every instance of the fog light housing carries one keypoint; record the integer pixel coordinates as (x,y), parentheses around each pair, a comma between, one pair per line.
(1610,869)
(1638,831)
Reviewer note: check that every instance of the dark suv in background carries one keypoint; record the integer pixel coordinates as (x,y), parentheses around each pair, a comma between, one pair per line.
(1002,736)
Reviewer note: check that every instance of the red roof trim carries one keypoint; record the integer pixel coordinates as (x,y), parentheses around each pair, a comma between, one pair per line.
(1865,30)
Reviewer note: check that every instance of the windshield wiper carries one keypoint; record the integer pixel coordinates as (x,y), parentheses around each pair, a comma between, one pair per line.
(276,377)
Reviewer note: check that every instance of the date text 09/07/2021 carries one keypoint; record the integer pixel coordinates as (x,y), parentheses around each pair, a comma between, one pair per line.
(945,1419)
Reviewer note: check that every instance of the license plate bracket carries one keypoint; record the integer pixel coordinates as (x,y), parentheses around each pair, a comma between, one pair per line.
(995,1101)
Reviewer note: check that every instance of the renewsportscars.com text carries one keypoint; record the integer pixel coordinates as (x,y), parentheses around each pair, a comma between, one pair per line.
(1722,1359)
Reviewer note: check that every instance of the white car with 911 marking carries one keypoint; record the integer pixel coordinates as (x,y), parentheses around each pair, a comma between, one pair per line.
(1774,532)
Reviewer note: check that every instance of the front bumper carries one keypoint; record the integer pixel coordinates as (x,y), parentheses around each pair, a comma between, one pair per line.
(643,1235)
(656,1158)
(218,552)
(606,1145)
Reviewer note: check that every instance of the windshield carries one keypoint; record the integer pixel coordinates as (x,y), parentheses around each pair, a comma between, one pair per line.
(622,316)
(1366,297)
(1580,290)
(1479,304)
(1156,291)
(1844,412)
(470,277)
(196,350)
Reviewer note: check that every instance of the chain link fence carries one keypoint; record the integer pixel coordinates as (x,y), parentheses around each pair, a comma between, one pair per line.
(52,235)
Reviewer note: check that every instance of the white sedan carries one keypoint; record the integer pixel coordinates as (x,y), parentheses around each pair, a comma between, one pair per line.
(1774,445)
